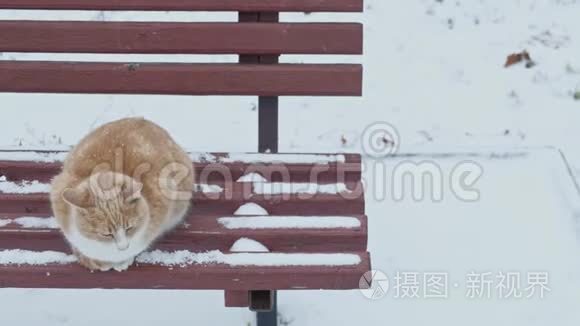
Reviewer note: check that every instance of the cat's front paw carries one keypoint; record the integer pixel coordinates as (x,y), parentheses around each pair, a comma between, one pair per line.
(95,265)
(92,264)
(120,267)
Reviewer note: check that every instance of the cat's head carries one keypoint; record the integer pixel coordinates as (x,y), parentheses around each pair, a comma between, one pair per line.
(108,207)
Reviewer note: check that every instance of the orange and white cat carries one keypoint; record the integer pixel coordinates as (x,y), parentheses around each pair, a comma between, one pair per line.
(121,188)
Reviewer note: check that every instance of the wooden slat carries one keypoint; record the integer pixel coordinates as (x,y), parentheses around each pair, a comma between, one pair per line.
(213,173)
(180,38)
(180,79)
(212,276)
(237,299)
(224,204)
(203,233)
(190,5)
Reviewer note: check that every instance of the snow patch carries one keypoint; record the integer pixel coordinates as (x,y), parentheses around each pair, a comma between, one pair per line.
(51,157)
(184,258)
(24,187)
(290,222)
(277,188)
(248,245)
(29,222)
(252,177)
(44,157)
(268,158)
(26,257)
(251,209)
(27,187)
(202,157)
(259,187)
(282,158)
(206,188)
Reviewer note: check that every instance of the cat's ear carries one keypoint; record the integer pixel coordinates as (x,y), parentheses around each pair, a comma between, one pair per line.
(132,191)
(78,197)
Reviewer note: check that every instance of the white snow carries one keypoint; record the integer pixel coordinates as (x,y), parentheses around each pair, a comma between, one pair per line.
(202,157)
(252,177)
(248,245)
(30,222)
(283,259)
(183,258)
(48,157)
(282,158)
(290,222)
(276,188)
(207,188)
(25,257)
(24,187)
(268,158)
(28,187)
(251,209)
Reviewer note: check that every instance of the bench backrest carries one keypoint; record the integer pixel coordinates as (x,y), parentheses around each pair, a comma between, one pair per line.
(258,38)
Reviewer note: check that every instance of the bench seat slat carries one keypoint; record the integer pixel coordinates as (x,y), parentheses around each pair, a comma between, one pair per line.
(221,203)
(203,233)
(190,5)
(211,276)
(181,78)
(180,38)
(213,173)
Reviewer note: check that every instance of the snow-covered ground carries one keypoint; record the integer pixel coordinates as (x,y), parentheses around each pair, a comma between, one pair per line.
(435,71)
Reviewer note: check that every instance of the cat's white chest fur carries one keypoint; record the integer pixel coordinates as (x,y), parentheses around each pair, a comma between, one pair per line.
(108,251)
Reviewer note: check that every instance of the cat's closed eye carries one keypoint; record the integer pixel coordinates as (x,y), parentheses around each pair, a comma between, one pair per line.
(133,201)
(106,235)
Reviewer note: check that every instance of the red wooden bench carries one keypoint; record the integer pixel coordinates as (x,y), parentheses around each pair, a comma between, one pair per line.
(316,230)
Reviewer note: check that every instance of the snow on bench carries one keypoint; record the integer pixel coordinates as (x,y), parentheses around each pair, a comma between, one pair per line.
(32,156)
(183,258)
(59,156)
(248,245)
(30,222)
(269,158)
(27,257)
(289,222)
(237,222)
(23,187)
(259,187)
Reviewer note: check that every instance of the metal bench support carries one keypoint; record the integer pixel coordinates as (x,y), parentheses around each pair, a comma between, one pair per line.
(264,302)
(269,317)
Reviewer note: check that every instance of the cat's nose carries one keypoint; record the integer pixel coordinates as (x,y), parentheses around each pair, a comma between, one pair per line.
(123,245)
(121,240)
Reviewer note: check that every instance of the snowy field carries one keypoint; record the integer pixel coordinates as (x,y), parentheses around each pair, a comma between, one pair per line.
(435,71)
